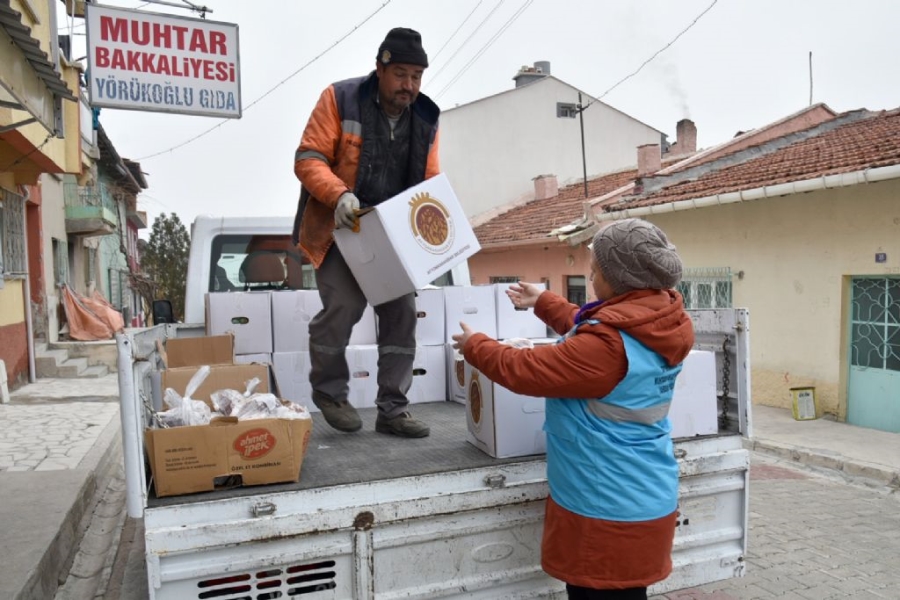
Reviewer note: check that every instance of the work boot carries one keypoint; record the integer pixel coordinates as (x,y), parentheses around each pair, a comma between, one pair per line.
(338,413)
(402,425)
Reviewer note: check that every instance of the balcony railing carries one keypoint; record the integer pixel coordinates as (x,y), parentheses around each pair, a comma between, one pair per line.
(90,210)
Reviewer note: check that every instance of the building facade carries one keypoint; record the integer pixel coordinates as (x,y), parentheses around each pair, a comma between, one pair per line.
(492,148)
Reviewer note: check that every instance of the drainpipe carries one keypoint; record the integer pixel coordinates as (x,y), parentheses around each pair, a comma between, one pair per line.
(26,290)
(824,182)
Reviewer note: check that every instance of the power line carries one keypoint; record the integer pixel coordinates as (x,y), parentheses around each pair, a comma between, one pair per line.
(273,88)
(485,48)
(83,23)
(452,35)
(655,54)
(466,41)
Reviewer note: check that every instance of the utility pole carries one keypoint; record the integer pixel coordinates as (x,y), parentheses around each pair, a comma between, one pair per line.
(580,110)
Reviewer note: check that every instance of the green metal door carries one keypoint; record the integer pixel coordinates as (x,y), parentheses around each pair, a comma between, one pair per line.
(873,396)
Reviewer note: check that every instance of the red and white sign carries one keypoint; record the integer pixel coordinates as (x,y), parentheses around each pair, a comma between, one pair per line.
(162,63)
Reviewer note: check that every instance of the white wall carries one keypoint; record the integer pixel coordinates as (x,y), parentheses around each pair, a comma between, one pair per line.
(53,224)
(491,149)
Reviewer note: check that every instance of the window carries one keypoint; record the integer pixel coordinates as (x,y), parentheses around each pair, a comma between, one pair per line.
(706,287)
(576,289)
(230,264)
(565,110)
(12,235)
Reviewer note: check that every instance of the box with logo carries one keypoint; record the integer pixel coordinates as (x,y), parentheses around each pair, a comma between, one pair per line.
(408,241)
(456,375)
(474,305)
(200,458)
(248,315)
(185,460)
(501,423)
(515,322)
(693,409)
(292,310)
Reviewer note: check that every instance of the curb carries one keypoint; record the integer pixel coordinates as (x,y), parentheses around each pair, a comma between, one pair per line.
(870,473)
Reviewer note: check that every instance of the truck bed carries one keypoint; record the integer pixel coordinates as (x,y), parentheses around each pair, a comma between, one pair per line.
(336,458)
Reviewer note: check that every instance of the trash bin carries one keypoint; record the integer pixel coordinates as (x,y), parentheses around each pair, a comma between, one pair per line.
(803,403)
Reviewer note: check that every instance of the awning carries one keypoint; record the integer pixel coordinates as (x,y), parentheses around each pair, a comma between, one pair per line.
(29,89)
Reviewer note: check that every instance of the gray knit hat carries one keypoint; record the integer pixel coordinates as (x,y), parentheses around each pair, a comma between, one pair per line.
(634,254)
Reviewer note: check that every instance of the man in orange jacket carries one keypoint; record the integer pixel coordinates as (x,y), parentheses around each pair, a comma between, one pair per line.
(367,139)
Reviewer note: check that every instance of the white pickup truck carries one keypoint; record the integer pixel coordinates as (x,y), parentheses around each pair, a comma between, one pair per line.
(376,516)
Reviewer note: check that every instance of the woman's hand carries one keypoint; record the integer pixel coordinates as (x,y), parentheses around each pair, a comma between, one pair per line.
(524,295)
(460,339)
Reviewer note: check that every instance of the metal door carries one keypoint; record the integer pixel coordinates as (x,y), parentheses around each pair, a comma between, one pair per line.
(873,394)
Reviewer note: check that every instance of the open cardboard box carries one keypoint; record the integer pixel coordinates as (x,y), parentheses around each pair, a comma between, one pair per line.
(200,458)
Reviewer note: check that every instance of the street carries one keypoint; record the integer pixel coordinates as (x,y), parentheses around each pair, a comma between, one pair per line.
(812,537)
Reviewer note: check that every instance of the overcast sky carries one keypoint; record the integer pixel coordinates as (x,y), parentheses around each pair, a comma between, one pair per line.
(743,64)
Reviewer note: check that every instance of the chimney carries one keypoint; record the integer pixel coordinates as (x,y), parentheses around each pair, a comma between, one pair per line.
(649,160)
(528,74)
(545,186)
(685,137)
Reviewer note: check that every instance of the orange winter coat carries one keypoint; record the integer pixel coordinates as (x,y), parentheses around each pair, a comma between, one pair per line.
(327,160)
(584,551)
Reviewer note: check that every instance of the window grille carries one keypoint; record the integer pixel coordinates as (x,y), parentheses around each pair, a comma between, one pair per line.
(875,322)
(708,287)
(12,235)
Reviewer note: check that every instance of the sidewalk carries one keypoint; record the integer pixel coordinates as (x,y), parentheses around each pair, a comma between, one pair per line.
(60,442)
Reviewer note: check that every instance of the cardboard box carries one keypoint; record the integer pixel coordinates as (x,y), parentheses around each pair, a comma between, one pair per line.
(408,241)
(291,371)
(246,314)
(501,423)
(515,322)
(456,375)
(694,404)
(430,323)
(362,362)
(186,460)
(429,381)
(473,304)
(198,351)
(220,377)
(263,358)
(292,310)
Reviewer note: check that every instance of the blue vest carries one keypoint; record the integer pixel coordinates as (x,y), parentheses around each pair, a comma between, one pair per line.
(612,458)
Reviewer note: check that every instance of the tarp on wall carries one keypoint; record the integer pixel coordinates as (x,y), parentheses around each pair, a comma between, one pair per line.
(90,319)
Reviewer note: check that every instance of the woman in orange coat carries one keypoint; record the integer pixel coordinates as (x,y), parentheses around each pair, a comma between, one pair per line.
(610,518)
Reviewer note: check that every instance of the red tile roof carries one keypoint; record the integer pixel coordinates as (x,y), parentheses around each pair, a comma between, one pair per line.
(864,144)
(533,222)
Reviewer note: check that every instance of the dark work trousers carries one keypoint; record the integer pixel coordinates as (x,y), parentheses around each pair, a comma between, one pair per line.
(329,333)
(582,593)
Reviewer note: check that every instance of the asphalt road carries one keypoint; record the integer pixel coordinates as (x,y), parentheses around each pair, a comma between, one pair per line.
(812,537)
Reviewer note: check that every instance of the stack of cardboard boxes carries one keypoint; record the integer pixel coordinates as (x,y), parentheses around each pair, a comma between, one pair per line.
(401,246)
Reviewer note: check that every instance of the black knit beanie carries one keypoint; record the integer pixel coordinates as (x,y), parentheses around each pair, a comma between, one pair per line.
(402,45)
